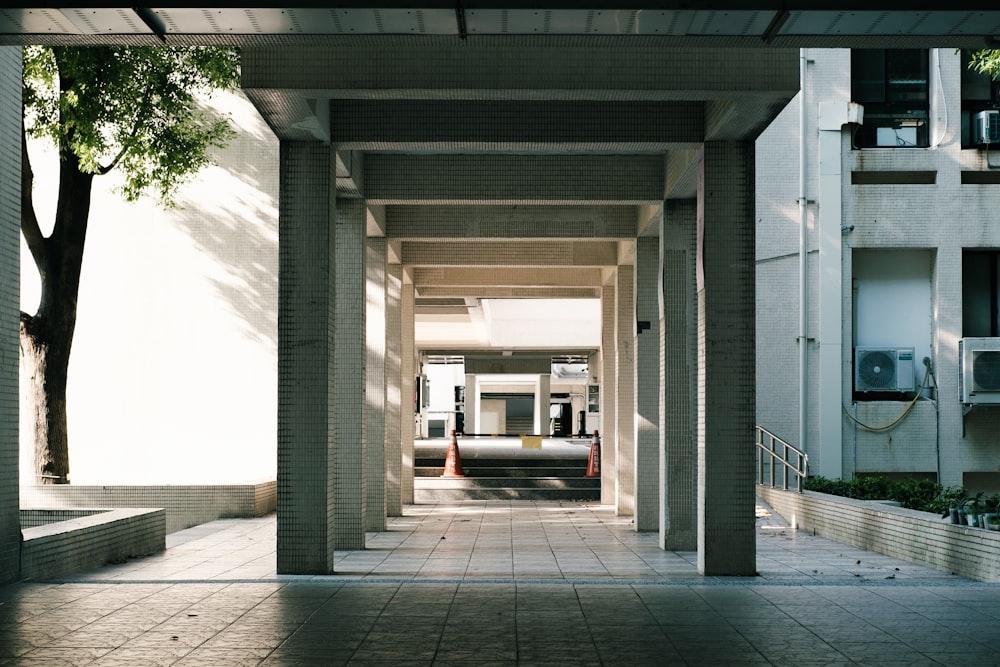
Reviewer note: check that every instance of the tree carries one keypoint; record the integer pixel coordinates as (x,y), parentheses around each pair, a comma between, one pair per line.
(130,109)
(986,62)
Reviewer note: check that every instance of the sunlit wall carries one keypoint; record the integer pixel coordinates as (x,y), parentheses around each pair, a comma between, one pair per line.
(173,376)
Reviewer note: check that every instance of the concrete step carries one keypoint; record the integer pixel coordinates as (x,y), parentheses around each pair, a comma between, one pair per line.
(425,492)
(500,482)
(505,471)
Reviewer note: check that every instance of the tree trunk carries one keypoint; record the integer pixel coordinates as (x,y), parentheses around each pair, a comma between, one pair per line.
(47,337)
(44,360)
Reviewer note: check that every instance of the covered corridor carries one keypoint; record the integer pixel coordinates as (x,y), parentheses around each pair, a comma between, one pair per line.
(470,152)
(500,583)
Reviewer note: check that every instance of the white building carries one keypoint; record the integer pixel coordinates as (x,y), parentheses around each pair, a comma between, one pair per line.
(878,244)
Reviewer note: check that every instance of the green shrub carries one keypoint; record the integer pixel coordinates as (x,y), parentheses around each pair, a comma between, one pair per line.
(917,494)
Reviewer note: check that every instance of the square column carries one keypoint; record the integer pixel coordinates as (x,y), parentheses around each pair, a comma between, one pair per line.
(609,469)
(393,392)
(543,396)
(306,239)
(406,413)
(375,383)
(625,390)
(647,384)
(471,403)
(726,368)
(349,374)
(678,363)
(10,308)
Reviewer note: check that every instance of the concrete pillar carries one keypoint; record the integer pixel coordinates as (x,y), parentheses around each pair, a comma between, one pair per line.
(829,290)
(471,404)
(609,469)
(393,392)
(946,284)
(10,308)
(543,396)
(625,390)
(406,412)
(306,239)
(375,383)
(647,384)
(679,363)
(726,337)
(349,375)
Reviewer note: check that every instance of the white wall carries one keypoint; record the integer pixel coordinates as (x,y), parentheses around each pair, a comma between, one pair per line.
(173,376)
(892,301)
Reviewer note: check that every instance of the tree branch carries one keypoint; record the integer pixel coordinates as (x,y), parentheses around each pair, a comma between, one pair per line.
(127,144)
(29,221)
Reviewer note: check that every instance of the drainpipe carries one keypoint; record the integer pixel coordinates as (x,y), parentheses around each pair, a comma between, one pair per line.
(829,333)
(803,308)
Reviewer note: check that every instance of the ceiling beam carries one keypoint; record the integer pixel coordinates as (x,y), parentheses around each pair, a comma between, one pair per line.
(516,125)
(511,254)
(415,222)
(621,180)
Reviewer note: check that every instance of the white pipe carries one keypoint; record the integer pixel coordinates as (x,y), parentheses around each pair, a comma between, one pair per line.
(803,309)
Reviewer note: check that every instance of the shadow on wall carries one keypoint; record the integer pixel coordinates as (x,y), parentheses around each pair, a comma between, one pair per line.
(238,227)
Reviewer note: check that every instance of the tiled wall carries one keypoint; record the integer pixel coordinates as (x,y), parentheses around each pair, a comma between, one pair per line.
(726,351)
(393,396)
(185,506)
(678,421)
(624,389)
(10,207)
(375,384)
(349,375)
(35,518)
(647,385)
(305,359)
(81,543)
(913,536)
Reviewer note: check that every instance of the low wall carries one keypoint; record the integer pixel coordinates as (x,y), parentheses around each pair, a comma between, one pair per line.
(91,539)
(917,537)
(185,506)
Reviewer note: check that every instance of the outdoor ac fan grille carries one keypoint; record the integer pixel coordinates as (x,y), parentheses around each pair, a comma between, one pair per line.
(986,370)
(877,369)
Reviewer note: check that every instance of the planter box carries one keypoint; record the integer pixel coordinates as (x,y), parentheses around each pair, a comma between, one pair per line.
(917,537)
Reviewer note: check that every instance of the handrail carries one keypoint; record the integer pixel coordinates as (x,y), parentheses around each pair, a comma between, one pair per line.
(772,451)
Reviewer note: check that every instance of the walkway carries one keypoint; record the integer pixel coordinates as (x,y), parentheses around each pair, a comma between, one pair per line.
(501,583)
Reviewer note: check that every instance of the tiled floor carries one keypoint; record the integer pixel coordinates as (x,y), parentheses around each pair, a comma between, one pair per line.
(500,583)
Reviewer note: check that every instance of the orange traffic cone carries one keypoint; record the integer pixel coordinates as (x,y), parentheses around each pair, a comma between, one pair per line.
(452,460)
(594,462)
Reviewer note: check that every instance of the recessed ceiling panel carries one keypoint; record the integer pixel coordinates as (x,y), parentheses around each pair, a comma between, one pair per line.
(892,23)
(716,23)
(106,21)
(415,21)
(36,22)
(577,22)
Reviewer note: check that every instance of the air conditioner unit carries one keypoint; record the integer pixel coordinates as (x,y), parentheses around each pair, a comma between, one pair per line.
(979,370)
(883,369)
(986,127)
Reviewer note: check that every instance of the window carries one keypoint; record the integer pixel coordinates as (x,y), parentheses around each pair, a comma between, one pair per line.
(892,86)
(979,93)
(981,294)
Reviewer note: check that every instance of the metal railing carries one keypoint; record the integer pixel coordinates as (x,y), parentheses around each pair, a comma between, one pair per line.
(778,461)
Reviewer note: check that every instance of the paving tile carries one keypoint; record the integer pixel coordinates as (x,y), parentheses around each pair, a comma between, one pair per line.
(511,583)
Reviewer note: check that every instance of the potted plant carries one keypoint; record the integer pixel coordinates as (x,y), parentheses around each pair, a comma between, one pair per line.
(974,509)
